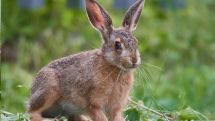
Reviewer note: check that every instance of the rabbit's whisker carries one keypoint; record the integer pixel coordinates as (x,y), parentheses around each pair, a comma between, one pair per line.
(145,74)
(119,74)
(141,76)
(108,75)
(99,69)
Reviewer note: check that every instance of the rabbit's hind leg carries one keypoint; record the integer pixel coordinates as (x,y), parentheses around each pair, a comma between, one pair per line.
(45,93)
(40,101)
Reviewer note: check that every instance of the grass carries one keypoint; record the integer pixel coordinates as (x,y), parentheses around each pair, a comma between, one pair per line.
(136,111)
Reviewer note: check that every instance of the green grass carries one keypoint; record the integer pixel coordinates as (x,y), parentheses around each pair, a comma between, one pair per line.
(136,111)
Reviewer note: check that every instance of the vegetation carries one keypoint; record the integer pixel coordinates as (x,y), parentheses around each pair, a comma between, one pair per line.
(175,80)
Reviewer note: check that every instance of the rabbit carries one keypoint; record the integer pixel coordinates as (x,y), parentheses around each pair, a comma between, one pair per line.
(94,83)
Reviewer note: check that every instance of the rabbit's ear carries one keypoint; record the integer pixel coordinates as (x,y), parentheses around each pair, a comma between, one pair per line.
(132,15)
(98,17)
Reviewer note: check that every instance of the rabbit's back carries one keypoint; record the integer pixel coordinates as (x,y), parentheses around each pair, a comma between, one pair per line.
(76,72)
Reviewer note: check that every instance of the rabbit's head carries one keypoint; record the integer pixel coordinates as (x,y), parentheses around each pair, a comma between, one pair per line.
(120,47)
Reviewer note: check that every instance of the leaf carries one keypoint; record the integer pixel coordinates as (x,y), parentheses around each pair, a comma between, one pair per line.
(190,114)
(132,114)
(7,116)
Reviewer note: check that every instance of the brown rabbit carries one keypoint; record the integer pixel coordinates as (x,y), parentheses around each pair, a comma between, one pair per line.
(94,83)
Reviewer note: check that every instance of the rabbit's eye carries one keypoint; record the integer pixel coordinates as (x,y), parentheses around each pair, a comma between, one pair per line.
(118,45)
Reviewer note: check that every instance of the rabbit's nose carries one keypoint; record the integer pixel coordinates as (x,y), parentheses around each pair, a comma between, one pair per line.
(134,60)
(135,65)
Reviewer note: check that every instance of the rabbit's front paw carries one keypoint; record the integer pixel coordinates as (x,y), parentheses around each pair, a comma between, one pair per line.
(118,118)
(78,118)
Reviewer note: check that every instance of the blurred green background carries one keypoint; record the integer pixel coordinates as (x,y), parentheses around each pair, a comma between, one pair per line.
(177,49)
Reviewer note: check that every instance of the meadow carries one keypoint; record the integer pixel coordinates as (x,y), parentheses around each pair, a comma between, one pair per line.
(174,82)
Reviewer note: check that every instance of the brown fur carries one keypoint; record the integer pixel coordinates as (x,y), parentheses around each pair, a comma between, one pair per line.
(95,82)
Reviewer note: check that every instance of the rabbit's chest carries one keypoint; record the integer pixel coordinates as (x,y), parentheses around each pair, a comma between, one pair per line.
(120,91)
(112,91)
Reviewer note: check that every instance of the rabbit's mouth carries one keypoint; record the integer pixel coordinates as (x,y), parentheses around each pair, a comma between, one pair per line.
(133,66)
(128,66)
